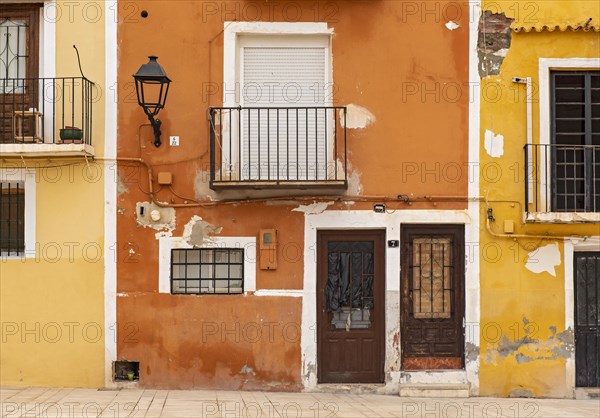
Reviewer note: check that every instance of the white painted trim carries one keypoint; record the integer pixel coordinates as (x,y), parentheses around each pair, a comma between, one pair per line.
(110,194)
(271,34)
(291,293)
(48,21)
(571,246)
(472,263)
(166,244)
(47,64)
(349,220)
(28,178)
(231,33)
(545,66)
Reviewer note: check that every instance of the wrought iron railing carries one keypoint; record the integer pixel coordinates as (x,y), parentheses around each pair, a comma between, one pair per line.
(46,110)
(278,147)
(562,178)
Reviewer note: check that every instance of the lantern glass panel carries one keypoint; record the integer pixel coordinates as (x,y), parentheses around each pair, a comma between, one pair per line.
(152,95)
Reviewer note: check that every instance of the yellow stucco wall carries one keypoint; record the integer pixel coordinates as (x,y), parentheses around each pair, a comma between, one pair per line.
(52,305)
(524,343)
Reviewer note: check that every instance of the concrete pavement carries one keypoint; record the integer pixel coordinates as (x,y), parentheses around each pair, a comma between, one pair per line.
(71,402)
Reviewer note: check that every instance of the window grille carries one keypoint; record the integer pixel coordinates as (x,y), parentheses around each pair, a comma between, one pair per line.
(207,271)
(12,218)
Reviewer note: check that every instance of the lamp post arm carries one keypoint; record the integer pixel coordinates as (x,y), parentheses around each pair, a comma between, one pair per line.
(156,123)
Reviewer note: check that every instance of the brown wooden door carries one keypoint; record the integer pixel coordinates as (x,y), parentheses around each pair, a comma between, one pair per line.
(350,306)
(432,287)
(19,63)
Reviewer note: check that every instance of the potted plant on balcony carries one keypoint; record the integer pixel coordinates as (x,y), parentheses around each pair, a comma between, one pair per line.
(71,135)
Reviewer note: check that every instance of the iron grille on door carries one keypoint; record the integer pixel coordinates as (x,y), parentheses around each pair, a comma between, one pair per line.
(587,319)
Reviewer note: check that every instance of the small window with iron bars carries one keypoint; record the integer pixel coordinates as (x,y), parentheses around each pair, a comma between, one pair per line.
(207,271)
(12,218)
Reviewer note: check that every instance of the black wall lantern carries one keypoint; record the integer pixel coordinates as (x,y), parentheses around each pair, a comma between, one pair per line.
(152,86)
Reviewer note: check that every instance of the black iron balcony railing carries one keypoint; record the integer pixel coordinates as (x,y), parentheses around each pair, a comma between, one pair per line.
(278,147)
(562,178)
(46,110)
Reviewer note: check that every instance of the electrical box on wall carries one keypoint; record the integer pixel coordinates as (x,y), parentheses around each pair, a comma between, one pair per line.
(268,249)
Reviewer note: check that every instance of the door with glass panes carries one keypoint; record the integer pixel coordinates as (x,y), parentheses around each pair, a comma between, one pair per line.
(350,306)
(19,62)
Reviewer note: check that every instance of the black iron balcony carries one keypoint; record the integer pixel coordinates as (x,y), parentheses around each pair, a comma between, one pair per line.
(562,178)
(46,111)
(278,147)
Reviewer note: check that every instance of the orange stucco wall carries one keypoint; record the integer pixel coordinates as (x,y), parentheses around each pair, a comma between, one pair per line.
(407,69)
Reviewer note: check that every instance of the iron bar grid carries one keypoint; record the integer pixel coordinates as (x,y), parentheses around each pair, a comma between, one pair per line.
(12,218)
(562,178)
(207,271)
(35,110)
(277,146)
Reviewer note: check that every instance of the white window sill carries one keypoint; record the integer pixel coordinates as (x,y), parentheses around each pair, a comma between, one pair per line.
(563,217)
(43,150)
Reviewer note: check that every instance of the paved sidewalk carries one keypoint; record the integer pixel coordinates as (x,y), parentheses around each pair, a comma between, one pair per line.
(69,402)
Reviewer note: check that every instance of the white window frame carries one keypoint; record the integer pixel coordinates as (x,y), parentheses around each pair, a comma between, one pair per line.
(166,244)
(28,178)
(546,65)
(232,65)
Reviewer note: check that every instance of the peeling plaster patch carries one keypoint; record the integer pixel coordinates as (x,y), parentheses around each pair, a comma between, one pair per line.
(197,232)
(281,203)
(521,393)
(544,259)
(314,208)
(522,358)
(526,349)
(355,187)
(494,144)
(507,347)
(452,25)
(247,370)
(393,358)
(163,234)
(121,211)
(167,216)
(566,337)
(121,188)
(501,52)
(493,43)
(202,191)
(357,117)
(472,352)
(311,370)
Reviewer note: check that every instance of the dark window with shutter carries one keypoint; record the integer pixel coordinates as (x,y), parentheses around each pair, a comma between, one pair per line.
(12,218)
(575,141)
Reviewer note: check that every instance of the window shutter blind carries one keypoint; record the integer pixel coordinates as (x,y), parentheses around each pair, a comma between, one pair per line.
(279,142)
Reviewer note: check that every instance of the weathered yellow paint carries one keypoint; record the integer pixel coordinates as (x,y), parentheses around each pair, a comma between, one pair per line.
(549,13)
(52,306)
(524,343)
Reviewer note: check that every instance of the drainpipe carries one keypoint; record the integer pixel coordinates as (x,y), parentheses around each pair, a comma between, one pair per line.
(529,98)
